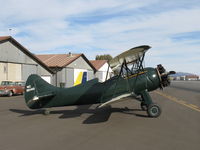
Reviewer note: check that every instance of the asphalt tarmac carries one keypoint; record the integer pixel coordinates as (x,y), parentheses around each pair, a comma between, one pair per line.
(123,126)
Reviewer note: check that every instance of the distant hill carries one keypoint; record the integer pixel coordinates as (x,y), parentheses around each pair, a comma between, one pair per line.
(178,74)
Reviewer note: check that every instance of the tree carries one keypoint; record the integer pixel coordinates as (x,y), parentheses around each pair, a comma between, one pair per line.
(104,57)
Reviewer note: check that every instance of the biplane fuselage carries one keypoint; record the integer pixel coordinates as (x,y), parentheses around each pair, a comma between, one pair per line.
(40,94)
(131,80)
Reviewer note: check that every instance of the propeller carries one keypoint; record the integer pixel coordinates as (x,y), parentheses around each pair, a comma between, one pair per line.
(165,81)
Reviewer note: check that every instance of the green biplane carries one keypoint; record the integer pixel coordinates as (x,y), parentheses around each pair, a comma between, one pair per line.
(131,78)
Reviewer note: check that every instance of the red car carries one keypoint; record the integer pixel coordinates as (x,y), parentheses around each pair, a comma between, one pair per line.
(9,88)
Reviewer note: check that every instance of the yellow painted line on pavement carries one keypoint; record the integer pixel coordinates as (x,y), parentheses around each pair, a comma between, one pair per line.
(183,102)
(179,101)
(193,105)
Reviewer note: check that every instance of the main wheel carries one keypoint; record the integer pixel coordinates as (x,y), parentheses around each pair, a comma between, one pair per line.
(154,110)
(143,106)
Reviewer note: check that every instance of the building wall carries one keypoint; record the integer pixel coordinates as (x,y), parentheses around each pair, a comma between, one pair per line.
(102,72)
(10,53)
(27,70)
(3,71)
(68,76)
(16,65)
(90,75)
(192,79)
(80,63)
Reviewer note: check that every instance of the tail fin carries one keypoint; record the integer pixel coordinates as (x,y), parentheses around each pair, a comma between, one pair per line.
(38,92)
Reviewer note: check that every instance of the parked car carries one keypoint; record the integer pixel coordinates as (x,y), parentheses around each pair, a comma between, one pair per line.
(9,88)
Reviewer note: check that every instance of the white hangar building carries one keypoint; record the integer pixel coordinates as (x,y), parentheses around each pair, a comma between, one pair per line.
(70,69)
(102,67)
(17,63)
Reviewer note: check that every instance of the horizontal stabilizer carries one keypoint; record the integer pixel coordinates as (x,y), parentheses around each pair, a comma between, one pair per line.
(46,95)
(41,96)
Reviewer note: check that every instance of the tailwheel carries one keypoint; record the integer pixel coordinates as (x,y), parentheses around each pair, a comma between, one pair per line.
(154,110)
(143,106)
(46,112)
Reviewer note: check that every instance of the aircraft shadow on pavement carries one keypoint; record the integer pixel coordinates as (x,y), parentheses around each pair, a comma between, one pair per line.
(98,115)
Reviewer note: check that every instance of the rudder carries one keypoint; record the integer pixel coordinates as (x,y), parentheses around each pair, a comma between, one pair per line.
(37,92)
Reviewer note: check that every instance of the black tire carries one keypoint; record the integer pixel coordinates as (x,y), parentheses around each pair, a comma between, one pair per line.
(143,106)
(154,110)
(10,93)
(47,112)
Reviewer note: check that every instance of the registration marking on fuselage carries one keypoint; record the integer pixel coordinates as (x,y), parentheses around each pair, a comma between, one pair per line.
(29,88)
(179,101)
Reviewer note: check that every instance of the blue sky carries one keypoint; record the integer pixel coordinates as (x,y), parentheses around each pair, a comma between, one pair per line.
(92,27)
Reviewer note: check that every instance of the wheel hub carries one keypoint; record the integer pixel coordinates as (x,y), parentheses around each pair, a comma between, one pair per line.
(154,110)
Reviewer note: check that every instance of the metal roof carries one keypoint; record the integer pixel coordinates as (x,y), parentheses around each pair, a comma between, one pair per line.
(2,38)
(62,60)
(58,60)
(98,63)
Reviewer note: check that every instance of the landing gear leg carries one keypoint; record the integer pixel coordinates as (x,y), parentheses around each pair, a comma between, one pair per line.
(146,100)
(153,110)
(143,106)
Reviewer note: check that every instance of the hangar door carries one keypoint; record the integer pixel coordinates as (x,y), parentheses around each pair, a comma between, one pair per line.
(80,76)
(3,71)
(10,71)
(14,72)
(47,79)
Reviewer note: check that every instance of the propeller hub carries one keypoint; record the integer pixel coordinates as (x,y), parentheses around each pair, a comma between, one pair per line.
(164,76)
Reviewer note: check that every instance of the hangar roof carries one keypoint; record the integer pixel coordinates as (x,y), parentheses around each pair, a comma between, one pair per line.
(58,60)
(2,38)
(98,63)
(25,51)
(62,60)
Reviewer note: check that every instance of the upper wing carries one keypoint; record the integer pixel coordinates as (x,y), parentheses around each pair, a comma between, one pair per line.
(130,56)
